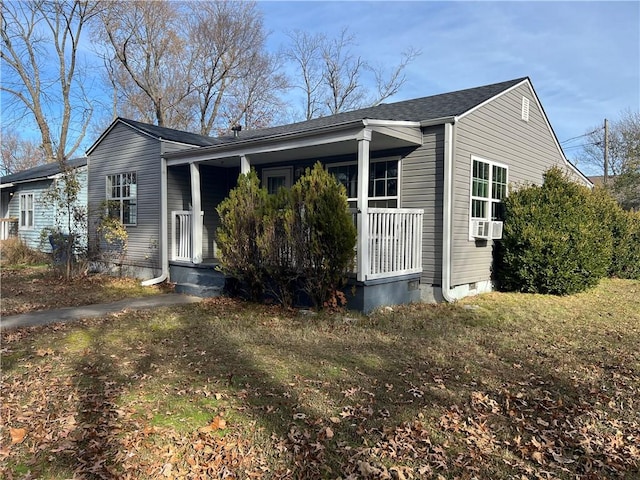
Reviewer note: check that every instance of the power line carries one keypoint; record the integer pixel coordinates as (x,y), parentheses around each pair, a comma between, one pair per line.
(580,136)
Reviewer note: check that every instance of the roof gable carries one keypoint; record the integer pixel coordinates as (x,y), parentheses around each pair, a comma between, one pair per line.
(159,133)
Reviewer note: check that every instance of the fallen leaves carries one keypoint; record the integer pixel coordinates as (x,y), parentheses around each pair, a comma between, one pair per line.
(17,435)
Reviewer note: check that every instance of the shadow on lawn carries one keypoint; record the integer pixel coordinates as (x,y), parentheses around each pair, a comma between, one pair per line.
(368,389)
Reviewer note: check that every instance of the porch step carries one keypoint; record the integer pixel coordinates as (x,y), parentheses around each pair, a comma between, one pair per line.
(203,291)
(199,280)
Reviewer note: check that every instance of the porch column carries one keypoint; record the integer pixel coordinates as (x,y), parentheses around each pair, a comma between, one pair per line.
(245,166)
(363,204)
(196,219)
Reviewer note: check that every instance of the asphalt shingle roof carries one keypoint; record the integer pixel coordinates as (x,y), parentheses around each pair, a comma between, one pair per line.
(418,109)
(41,171)
(171,134)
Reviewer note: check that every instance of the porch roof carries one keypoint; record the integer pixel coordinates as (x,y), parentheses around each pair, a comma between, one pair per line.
(335,139)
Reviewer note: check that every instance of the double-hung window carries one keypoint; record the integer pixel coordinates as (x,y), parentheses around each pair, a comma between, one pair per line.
(26,210)
(489,182)
(122,195)
(383,181)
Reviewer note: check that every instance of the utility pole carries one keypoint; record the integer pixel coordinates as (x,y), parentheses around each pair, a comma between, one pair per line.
(606,151)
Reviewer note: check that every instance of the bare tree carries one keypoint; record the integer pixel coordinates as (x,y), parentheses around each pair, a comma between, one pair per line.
(183,65)
(17,153)
(305,52)
(146,59)
(41,51)
(623,156)
(334,79)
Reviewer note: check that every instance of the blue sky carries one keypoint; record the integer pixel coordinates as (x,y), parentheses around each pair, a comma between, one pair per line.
(582,57)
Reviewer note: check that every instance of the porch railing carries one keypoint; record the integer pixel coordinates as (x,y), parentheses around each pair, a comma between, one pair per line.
(395,242)
(181,237)
(8,228)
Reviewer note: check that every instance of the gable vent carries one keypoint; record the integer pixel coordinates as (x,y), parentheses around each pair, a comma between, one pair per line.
(525,109)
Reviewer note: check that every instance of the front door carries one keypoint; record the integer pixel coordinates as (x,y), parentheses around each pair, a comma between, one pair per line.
(275,178)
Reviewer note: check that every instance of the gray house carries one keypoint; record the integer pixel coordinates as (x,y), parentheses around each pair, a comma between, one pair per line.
(22,210)
(425,179)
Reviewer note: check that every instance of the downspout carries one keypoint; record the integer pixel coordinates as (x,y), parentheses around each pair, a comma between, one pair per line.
(164,228)
(447,210)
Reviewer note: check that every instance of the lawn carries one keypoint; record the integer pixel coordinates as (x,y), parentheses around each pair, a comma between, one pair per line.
(500,386)
(29,288)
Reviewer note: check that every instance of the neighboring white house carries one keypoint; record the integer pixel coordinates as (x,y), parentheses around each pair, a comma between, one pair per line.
(22,210)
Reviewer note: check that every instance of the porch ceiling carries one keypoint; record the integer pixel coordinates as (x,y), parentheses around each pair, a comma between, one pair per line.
(386,136)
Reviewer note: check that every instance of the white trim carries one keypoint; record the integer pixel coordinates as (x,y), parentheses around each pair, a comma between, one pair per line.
(391,158)
(489,199)
(32,224)
(447,212)
(495,97)
(286,172)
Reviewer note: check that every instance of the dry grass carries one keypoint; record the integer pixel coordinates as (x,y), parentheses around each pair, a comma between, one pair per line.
(25,288)
(498,386)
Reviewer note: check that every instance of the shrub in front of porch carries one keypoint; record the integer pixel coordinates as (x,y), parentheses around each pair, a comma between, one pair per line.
(298,240)
(242,222)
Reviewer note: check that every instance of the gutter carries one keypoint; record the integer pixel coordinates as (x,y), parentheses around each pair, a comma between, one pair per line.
(164,227)
(447,210)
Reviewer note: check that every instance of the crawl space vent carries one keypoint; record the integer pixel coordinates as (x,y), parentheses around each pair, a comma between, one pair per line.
(525,109)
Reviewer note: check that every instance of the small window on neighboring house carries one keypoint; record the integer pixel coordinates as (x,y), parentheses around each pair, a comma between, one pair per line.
(383,182)
(26,210)
(122,195)
(488,188)
(525,109)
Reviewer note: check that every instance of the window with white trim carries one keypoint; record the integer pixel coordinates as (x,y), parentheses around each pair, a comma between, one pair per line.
(489,182)
(26,210)
(383,181)
(122,195)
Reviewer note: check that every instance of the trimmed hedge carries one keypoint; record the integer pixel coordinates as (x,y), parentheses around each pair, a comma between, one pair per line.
(555,239)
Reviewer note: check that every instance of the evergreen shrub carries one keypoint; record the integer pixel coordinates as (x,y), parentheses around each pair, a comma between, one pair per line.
(555,239)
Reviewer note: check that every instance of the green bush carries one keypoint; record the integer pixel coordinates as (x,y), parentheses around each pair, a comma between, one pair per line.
(298,239)
(625,262)
(241,224)
(321,210)
(555,239)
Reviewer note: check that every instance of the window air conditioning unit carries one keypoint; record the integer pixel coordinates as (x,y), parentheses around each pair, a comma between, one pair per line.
(486,230)
(481,229)
(496,230)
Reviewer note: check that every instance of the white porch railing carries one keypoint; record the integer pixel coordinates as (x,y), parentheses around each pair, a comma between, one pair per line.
(394,238)
(181,236)
(395,242)
(8,228)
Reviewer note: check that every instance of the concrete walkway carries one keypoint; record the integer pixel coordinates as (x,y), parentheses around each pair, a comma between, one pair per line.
(67,314)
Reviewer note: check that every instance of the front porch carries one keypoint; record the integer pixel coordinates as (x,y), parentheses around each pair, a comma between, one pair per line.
(364,156)
(393,243)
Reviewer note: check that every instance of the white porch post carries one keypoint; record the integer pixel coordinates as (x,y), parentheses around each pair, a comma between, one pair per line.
(245,166)
(196,208)
(363,204)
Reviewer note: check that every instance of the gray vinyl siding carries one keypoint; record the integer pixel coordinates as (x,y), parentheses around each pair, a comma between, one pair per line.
(497,133)
(125,150)
(421,180)
(215,183)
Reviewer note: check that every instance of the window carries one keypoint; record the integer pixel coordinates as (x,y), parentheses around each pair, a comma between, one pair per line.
(383,181)
(276,178)
(488,189)
(122,193)
(26,210)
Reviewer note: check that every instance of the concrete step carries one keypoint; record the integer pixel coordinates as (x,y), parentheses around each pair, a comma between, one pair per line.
(197,290)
